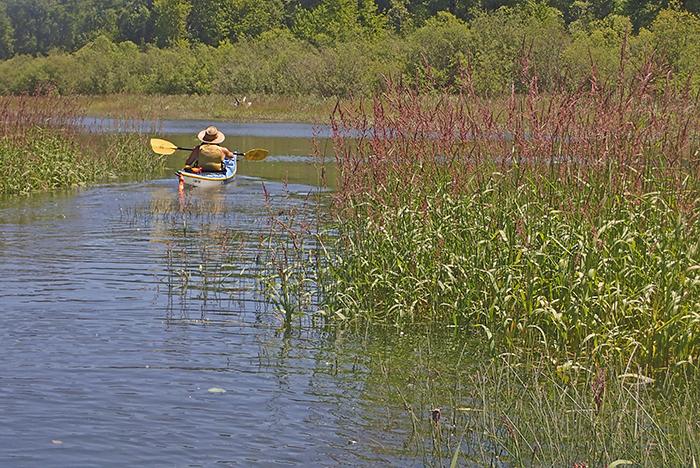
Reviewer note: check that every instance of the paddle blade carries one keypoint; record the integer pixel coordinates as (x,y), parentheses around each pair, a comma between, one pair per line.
(256,154)
(163,146)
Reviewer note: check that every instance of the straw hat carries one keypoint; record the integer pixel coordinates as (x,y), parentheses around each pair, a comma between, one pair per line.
(211,135)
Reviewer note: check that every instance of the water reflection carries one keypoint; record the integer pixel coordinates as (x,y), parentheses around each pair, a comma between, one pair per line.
(93,355)
(124,305)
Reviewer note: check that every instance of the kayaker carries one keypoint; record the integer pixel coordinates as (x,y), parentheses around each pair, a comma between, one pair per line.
(208,155)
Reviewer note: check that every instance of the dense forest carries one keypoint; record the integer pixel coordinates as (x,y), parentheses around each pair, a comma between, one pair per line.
(40,26)
(333,47)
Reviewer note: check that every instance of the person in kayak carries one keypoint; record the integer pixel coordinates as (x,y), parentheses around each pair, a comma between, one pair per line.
(208,156)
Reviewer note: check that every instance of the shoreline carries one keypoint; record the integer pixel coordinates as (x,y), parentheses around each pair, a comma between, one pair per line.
(228,108)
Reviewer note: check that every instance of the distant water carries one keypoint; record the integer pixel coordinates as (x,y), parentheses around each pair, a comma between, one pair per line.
(267,129)
(113,354)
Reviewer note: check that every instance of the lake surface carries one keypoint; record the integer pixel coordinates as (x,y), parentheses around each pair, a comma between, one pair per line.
(114,351)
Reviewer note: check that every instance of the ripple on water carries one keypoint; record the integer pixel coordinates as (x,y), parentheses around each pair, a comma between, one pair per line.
(99,365)
(96,359)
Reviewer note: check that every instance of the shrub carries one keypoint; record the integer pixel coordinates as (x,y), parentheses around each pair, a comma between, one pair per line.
(597,50)
(676,40)
(276,63)
(532,31)
(437,50)
(490,54)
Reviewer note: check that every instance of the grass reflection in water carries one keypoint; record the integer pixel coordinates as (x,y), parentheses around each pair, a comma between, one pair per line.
(426,394)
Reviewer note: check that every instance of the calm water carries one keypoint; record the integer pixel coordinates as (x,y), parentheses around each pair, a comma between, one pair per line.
(105,358)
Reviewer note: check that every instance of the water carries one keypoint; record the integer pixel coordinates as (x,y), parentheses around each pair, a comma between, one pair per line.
(106,360)
(283,130)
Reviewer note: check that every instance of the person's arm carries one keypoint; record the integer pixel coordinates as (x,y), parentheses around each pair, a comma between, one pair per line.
(193,156)
(228,154)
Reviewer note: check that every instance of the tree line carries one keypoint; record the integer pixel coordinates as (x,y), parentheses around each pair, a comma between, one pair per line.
(354,53)
(36,27)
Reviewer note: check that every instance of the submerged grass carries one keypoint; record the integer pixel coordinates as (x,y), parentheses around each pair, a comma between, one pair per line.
(539,416)
(620,279)
(522,411)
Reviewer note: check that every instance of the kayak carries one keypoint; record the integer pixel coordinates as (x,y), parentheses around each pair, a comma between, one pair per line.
(209,179)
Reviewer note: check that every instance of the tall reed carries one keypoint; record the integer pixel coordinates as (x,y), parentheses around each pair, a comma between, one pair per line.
(20,115)
(43,146)
(616,133)
(566,222)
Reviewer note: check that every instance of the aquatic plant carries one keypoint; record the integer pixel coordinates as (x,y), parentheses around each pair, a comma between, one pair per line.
(565,223)
(43,147)
(517,409)
(291,253)
(504,261)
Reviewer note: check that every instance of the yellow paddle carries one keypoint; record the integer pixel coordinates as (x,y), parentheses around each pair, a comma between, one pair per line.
(165,147)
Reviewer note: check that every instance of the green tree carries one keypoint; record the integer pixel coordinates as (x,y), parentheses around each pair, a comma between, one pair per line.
(643,12)
(597,50)
(253,17)
(6,34)
(135,22)
(676,40)
(335,21)
(93,18)
(438,49)
(211,21)
(530,35)
(676,36)
(40,26)
(692,6)
(398,16)
(170,21)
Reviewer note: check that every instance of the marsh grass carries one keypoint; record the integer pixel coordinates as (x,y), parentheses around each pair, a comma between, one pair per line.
(21,115)
(292,252)
(524,411)
(534,414)
(433,397)
(566,224)
(237,108)
(521,272)
(43,147)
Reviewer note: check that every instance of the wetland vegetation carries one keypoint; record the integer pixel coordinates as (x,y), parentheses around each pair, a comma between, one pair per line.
(510,282)
(560,231)
(42,148)
(566,223)
(508,267)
